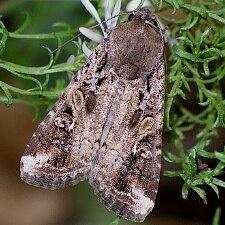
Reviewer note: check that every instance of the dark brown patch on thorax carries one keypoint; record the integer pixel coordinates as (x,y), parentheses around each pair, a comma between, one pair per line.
(140,50)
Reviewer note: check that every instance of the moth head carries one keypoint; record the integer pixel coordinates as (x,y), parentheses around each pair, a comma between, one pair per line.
(148,17)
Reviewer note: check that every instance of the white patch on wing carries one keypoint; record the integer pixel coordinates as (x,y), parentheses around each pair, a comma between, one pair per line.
(134,149)
(31,163)
(145,204)
(71,126)
(42,123)
(158,152)
(51,113)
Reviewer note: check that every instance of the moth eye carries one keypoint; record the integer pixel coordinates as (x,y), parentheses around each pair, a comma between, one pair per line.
(146,124)
(90,102)
(78,100)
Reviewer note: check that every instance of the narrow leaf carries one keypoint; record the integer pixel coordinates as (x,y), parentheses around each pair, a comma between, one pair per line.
(169,157)
(190,25)
(200,11)
(116,12)
(219,182)
(216,17)
(27,77)
(186,40)
(218,170)
(115,222)
(86,50)
(51,58)
(201,38)
(204,153)
(71,59)
(171,173)
(174,4)
(215,188)
(7,94)
(157,4)
(132,5)
(108,12)
(216,218)
(186,55)
(185,189)
(145,3)
(220,156)
(93,36)
(62,25)
(201,193)
(206,69)
(91,9)
(4,37)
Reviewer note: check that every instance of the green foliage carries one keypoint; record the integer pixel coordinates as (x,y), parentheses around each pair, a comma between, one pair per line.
(39,90)
(216,219)
(196,72)
(116,222)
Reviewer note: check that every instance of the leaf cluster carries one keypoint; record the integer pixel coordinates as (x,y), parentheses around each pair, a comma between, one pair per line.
(195,96)
(39,92)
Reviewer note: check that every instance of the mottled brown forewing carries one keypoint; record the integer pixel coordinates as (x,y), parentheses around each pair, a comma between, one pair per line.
(107,126)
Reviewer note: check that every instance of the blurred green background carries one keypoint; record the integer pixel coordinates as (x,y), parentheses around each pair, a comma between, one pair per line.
(21,204)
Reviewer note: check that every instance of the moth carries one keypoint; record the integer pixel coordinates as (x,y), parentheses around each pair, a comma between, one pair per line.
(107,126)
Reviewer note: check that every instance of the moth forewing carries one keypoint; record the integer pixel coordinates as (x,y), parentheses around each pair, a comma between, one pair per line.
(107,126)
(62,149)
